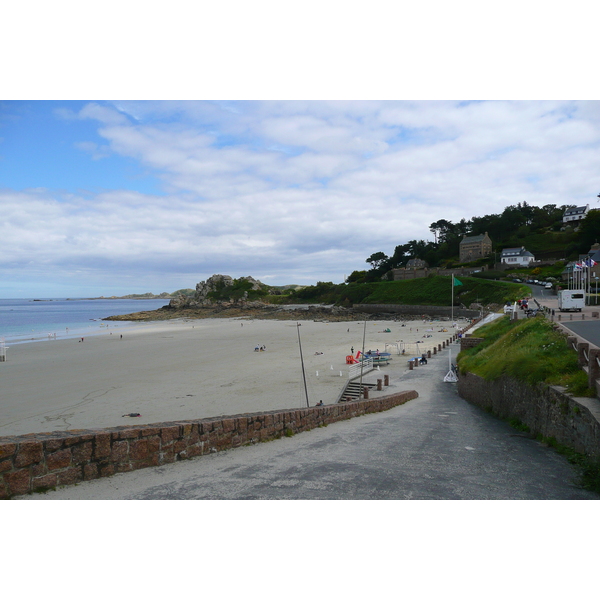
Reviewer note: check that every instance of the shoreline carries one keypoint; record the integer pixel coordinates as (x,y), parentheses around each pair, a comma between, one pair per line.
(189,369)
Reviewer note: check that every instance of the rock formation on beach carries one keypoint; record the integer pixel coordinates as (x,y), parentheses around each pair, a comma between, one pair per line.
(224,297)
(219,289)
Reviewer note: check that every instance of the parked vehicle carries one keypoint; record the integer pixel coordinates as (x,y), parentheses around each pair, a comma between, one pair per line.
(548,286)
(571,300)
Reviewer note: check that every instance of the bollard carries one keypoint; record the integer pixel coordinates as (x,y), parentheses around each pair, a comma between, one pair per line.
(410,365)
(366,393)
(439,347)
(428,353)
(559,317)
(416,361)
(379,385)
(583,316)
(435,350)
(386,380)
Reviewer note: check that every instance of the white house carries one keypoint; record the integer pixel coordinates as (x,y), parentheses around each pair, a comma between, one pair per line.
(576,214)
(519,257)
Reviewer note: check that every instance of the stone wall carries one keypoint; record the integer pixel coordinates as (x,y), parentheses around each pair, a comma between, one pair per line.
(36,462)
(417,310)
(420,273)
(546,410)
(469,342)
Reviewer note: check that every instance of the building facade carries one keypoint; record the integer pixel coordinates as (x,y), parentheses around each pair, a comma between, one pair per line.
(474,247)
(518,257)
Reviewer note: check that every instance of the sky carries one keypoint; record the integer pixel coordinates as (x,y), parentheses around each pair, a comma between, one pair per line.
(114,197)
(141,151)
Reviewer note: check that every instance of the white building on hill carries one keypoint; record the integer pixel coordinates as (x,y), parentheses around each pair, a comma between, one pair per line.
(519,257)
(576,214)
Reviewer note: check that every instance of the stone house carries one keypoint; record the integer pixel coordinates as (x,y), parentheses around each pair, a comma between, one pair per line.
(416,263)
(474,247)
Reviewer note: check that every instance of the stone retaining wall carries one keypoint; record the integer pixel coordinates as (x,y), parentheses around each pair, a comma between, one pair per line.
(36,462)
(417,310)
(546,410)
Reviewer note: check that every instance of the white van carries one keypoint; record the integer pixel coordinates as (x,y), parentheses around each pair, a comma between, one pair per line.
(571,300)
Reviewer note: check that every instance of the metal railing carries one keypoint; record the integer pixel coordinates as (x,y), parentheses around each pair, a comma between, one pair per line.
(365,366)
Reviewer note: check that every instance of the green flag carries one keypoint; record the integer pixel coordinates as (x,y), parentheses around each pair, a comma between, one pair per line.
(456,281)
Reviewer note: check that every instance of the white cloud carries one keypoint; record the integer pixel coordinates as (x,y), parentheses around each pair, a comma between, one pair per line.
(299,191)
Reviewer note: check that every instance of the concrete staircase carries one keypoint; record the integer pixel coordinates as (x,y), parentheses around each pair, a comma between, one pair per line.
(353,390)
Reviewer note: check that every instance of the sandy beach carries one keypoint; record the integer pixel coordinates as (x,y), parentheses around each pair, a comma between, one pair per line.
(176,370)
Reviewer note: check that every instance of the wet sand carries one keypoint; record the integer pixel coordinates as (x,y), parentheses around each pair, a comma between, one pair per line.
(176,370)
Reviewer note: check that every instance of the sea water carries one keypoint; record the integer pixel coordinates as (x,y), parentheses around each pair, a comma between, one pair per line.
(26,320)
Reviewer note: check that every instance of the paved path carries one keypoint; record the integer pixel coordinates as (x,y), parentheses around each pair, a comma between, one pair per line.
(435,447)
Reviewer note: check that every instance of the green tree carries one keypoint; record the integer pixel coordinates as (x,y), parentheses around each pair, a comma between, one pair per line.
(376,259)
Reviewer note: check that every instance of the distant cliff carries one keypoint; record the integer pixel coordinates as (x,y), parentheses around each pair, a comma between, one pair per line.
(148,296)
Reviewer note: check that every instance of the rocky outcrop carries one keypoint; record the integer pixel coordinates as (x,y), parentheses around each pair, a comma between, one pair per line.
(212,284)
(204,289)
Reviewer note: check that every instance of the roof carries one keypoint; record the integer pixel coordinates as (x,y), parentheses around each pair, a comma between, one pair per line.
(516,252)
(578,210)
(416,262)
(474,238)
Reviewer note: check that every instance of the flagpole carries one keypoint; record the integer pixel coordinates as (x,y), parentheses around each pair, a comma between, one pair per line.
(452,306)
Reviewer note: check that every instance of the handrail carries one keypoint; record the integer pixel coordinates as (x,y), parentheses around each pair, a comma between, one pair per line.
(366,365)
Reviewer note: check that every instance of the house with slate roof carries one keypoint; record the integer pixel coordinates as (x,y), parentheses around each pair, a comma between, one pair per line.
(519,257)
(474,247)
(576,214)
(416,263)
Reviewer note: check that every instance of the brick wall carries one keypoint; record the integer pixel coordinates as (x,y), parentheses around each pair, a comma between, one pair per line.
(36,462)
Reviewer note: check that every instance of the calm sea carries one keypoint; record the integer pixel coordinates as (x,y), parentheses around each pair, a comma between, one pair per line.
(25,320)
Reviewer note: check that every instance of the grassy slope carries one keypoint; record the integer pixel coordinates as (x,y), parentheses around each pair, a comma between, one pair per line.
(434,291)
(437,291)
(529,350)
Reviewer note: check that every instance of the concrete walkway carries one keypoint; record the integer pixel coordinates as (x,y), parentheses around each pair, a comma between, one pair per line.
(435,447)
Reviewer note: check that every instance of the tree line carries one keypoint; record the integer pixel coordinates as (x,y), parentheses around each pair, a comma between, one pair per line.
(513,227)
